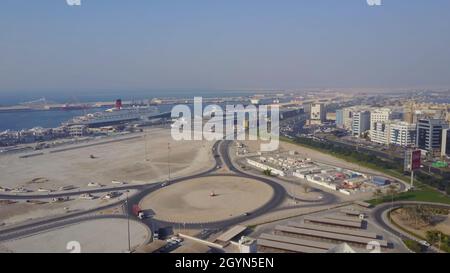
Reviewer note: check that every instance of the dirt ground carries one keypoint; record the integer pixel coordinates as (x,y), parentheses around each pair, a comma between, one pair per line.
(125,160)
(96,236)
(21,211)
(443,226)
(191,201)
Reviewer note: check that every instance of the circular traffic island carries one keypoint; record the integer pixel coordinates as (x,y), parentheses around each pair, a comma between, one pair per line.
(207,199)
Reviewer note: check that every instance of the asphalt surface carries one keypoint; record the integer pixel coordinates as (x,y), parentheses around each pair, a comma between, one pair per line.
(26,196)
(221,157)
(17,231)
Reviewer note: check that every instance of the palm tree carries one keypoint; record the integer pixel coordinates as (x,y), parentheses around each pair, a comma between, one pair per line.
(378,194)
(392,190)
(267,172)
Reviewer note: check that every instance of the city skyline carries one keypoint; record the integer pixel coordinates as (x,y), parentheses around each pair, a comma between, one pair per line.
(232,45)
(225,127)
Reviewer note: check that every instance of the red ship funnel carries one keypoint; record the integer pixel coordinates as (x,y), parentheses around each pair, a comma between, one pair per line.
(119,104)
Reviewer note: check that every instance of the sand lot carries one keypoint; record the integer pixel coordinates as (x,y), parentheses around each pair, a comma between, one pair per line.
(190,201)
(103,235)
(124,160)
(22,211)
(399,218)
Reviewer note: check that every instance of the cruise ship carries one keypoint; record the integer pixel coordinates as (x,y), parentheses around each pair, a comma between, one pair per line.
(118,115)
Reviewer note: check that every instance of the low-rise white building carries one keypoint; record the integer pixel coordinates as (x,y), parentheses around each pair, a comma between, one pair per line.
(265,167)
(77,130)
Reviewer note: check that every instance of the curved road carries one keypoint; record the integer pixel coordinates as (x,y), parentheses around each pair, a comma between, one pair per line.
(221,157)
(221,152)
(379,214)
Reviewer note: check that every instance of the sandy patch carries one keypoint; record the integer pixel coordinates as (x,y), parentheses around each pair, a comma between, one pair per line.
(105,235)
(141,159)
(191,201)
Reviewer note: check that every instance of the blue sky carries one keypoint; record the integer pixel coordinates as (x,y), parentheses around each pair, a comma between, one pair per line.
(222,44)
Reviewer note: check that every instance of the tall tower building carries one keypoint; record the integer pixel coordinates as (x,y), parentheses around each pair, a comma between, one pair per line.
(402,133)
(318,113)
(360,122)
(429,135)
(445,146)
(379,131)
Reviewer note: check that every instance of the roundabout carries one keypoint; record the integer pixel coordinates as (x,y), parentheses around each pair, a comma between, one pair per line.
(207,199)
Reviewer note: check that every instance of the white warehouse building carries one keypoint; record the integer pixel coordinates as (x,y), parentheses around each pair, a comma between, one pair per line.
(265,167)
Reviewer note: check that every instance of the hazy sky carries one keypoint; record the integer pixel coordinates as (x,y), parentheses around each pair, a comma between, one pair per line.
(222,44)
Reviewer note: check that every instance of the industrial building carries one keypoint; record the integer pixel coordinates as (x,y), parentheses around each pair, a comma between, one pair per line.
(265,167)
(322,234)
(330,177)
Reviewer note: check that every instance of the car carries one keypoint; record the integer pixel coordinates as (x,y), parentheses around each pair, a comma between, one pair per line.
(424,243)
(164,184)
(177,239)
(141,215)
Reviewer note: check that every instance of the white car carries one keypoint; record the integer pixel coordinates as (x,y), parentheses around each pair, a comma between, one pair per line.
(170,241)
(177,239)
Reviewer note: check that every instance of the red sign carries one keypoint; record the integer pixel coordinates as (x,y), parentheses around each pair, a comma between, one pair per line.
(136,209)
(415,160)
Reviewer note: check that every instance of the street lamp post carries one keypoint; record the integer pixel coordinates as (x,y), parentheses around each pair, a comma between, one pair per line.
(168,160)
(128,224)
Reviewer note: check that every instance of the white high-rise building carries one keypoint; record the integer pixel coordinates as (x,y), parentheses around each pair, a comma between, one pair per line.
(360,122)
(378,127)
(318,113)
(402,133)
(380,132)
(344,118)
(429,135)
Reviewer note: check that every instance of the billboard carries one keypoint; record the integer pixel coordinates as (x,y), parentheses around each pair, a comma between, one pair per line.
(415,160)
(412,160)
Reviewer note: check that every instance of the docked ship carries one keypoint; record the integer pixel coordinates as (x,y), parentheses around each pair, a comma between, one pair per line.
(70,107)
(118,115)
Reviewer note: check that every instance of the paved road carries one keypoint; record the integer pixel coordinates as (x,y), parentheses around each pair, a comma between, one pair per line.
(21,230)
(16,231)
(379,214)
(221,157)
(49,195)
